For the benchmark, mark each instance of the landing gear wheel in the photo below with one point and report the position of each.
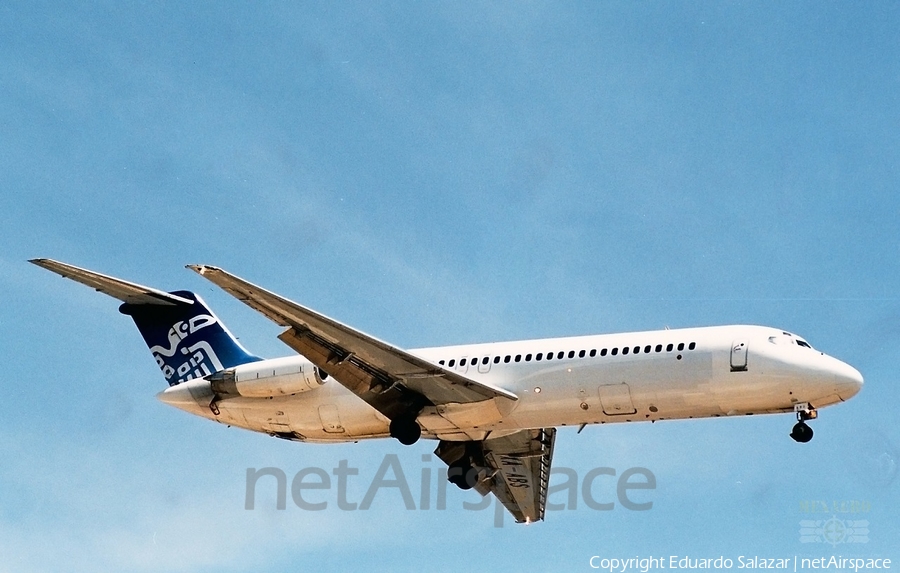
(405, 430)
(462, 476)
(801, 432)
(460, 481)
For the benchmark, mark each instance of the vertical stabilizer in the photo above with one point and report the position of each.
(187, 340)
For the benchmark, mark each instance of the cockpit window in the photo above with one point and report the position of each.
(787, 338)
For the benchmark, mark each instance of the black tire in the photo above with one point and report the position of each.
(471, 477)
(461, 475)
(801, 433)
(460, 482)
(406, 431)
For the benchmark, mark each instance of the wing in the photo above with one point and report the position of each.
(117, 288)
(394, 382)
(522, 461)
(515, 468)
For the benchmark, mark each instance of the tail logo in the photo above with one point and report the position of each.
(181, 330)
(201, 361)
(195, 361)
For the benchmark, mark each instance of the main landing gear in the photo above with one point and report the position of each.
(466, 465)
(405, 430)
(801, 432)
(462, 474)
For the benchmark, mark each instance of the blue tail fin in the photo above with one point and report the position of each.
(187, 340)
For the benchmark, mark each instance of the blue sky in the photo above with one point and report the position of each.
(440, 174)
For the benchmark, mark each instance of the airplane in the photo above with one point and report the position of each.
(493, 408)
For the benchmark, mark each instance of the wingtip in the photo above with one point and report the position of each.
(200, 269)
(49, 264)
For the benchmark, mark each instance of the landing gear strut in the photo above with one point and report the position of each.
(801, 432)
(405, 430)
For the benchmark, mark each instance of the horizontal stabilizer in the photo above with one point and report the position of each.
(117, 288)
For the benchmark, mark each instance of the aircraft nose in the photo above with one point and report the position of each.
(848, 379)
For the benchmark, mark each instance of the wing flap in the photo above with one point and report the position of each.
(370, 384)
(522, 471)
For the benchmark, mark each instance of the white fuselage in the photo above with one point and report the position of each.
(629, 377)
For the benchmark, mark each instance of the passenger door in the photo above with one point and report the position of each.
(739, 355)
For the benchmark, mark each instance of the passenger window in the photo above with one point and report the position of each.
(560, 355)
(496, 359)
(485, 359)
(452, 362)
(692, 346)
(637, 349)
(659, 347)
(518, 357)
(593, 352)
(441, 362)
(603, 352)
(506, 359)
(625, 350)
(549, 356)
(647, 349)
(528, 358)
(539, 355)
(681, 346)
(669, 348)
(581, 354)
(571, 354)
(615, 351)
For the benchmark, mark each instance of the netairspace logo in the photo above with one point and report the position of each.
(834, 531)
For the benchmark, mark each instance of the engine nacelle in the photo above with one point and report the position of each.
(267, 378)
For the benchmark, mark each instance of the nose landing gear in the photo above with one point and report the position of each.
(801, 432)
